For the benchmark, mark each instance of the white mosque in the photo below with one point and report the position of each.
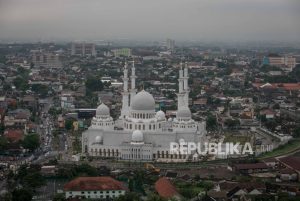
(141, 133)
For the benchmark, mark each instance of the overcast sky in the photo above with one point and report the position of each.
(201, 20)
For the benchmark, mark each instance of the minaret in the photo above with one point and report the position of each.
(186, 85)
(132, 77)
(125, 100)
(181, 94)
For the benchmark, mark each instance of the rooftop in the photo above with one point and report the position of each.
(94, 184)
(165, 188)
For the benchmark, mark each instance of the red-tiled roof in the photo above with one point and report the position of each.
(267, 112)
(251, 166)
(13, 135)
(291, 161)
(94, 184)
(165, 188)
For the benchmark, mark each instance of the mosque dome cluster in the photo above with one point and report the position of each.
(143, 101)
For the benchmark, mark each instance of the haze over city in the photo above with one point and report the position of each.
(149, 100)
(200, 20)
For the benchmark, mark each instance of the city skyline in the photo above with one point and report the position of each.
(231, 20)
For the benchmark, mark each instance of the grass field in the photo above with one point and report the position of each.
(234, 138)
(290, 147)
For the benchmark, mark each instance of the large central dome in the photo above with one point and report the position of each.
(143, 101)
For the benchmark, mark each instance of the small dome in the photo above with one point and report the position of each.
(181, 141)
(102, 110)
(143, 101)
(137, 136)
(98, 139)
(160, 115)
(184, 112)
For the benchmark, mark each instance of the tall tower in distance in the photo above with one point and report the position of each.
(170, 44)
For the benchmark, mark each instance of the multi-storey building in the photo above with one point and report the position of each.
(83, 49)
(46, 59)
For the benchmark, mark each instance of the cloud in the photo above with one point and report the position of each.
(150, 19)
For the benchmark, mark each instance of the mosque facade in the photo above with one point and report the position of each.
(141, 133)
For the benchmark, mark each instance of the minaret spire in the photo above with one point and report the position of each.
(186, 85)
(125, 100)
(132, 77)
(180, 95)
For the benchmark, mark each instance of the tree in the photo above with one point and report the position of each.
(3, 143)
(59, 197)
(206, 185)
(211, 122)
(130, 185)
(129, 197)
(232, 123)
(21, 195)
(20, 83)
(271, 124)
(54, 112)
(154, 197)
(31, 142)
(69, 124)
(40, 89)
(33, 180)
(296, 132)
(94, 84)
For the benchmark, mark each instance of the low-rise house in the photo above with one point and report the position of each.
(48, 170)
(14, 122)
(269, 114)
(166, 189)
(94, 188)
(288, 174)
(271, 162)
(13, 135)
(30, 101)
(237, 191)
(250, 168)
(217, 195)
(292, 163)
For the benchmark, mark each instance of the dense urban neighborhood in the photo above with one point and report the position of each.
(94, 121)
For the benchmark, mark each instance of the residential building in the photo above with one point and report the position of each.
(83, 49)
(126, 52)
(94, 188)
(46, 59)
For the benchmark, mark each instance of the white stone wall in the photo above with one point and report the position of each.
(95, 194)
